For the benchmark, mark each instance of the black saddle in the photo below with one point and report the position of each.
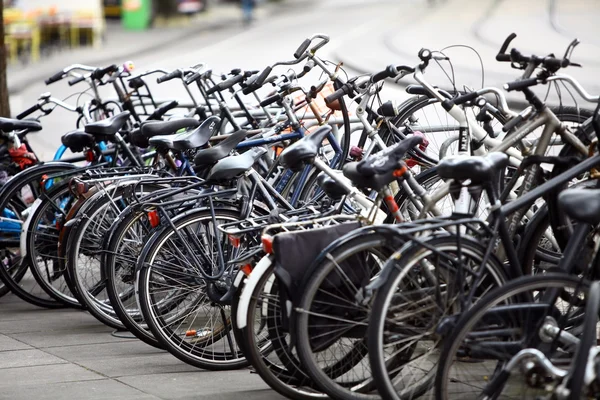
(190, 139)
(109, 126)
(219, 151)
(77, 140)
(387, 159)
(375, 182)
(478, 169)
(232, 167)
(583, 205)
(331, 188)
(9, 124)
(149, 129)
(304, 150)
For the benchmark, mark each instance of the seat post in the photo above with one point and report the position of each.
(132, 157)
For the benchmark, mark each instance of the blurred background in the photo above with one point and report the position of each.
(44, 36)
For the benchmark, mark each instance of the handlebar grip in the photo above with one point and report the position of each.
(388, 72)
(169, 76)
(338, 94)
(520, 85)
(76, 80)
(465, 97)
(512, 123)
(260, 80)
(270, 100)
(55, 78)
(100, 72)
(501, 56)
(162, 109)
(30, 110)
(225, 84)
(298, 53)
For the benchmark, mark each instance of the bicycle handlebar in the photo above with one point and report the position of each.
(520, 85)
(29, 111)
(171, 75)
(227, 84)
(502, 56)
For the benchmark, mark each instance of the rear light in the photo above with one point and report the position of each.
(234, 240)
(246, 269)
(154, 219)
(267, 243)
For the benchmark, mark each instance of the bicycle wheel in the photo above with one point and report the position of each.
(330, 321)
(126, 239)
(177, 301)
(18, 195)
(576, 381)
(428, 284)
(84, 250)
(41, 240)
(260, 319)
(508, 320)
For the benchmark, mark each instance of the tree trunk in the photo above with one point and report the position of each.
(4, 104)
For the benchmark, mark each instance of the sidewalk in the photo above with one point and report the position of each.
(482, 25)
(122, 44)
(67, 354)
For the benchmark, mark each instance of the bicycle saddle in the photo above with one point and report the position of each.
(387, 159)
(583, 205)
(331, 188)
(9, 124)
(108, 126)
(232, 167)
(305, 149)
(149, 129)
(476, 168)
(154, 128)
(77, 140)
(375, 181)
(220, 150)
(189, 139)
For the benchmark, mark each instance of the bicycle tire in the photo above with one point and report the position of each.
(576, 383)
(53, 282)
(404, 266)
(520, 290)
(324, 375)
(34, 295)
(187, 351)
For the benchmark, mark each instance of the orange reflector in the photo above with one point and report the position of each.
(43, 180)
(246, 269)
(399, 172)
(190, 333)
(267, 243)
(234, 240)
(154, 220)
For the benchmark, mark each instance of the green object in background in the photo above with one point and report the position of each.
(136, 14)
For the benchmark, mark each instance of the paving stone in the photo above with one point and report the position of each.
(116, 366)
(89, 390)
(194, 384)
(42, 375)
(7, 343)
(132, 348)
(27, 358)
(70, 338)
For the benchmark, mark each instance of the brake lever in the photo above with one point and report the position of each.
(401, 75)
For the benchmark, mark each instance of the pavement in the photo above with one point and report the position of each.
(67, 354)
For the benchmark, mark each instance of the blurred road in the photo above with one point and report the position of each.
(366, 35)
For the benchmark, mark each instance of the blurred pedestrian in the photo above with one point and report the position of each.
(248, 10)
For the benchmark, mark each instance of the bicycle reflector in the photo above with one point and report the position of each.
(234, 240)
(267, 243)
(153, 218)
(246, 269)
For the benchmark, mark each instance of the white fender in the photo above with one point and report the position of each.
(259, 270)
